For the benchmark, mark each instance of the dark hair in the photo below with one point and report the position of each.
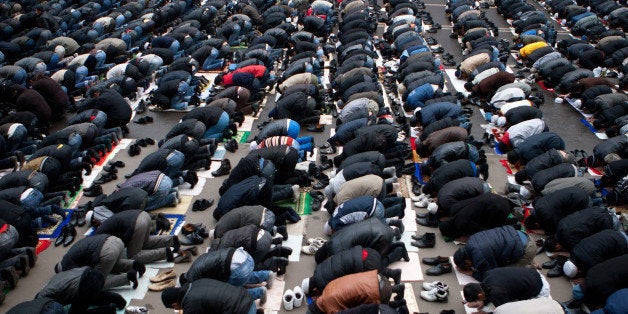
(460, 256)
(218, 79)
(550, 244)
(512, 157)
(473, 292)
(531, 222)
(521, 176)
(468, 86)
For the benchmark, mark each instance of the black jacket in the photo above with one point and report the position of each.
(369, 233)
(581, 224)
(457, 190)
(246, 237)
(215, 265)
(251, 191)
(438, 125)
(121, 225)
(343, 263)
(537, 144)
(617, 145)
(208, 296)
(239, 217)
(598, 248)
(456, 169)
(209, 115)
(154, 161)
(485, 211)
(551, 208)
(545, 176)
(546, 160)
(17, 217)
(114, 105)
(507, 284)
(85, 252)
(35, 306)
(523, 113)
(604, 279)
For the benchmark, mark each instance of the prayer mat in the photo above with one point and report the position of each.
(303, 206)
(242, 136)
(180, 209)
(54, 231)
(543, 86)
(42, 245)
(103, 158)
(198, 188)
(176, 221)
(274, 297)
(509, 168)
(410, 271)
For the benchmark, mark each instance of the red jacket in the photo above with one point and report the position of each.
(257, 70)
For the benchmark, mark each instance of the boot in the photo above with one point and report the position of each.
(399, 290)
(71, 234)
(430, 221)
(191, 177)
(557, 271)
(231, 145)
(64, 234)
(225, 168)
(428, 241)
(397, 223)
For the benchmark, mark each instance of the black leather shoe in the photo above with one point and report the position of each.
(316, 128)
(81, 218)
(557, 271)
(327, 164)
(71, 234)
(428, 241)
(94, 191)
(430, 221)
(433, 261)
(61, 238)
(550, 264)
(439, 269)
(320, 184)
(422, 215)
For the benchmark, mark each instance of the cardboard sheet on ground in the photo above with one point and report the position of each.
(208, 173)
(462, 278)
(297, 228)
(410, 296)
(410, 271)
(198, 188)
(406, 238)
(488, 308)
(457, 83)
(128, 293)
(274, 296)
(247, 125)
(326, 119)
(408, 220)
(219, 154)
(180, 209)
(294, 242)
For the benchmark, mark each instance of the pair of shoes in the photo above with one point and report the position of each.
(184, 257)
(435, 292)
(106, 177)
(231, 146)
(293, 298)
(428, 240)
(202, 204)
(134, 150)
(78, 218)
(439, 269)
(191, 239)
(557, 270)
(327, 150)
(321, 184)
(198, 228)
(163, 281)
(144, 120)
(313, 245)
(449, 62)
(429, 221)
(118, 163)
(316, 128)
(68, 233)
(433, 261)
(326, 163)
(225, 168)
(438, 49)
(132, 309)
(93, 190)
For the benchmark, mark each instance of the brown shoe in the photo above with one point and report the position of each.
(161, 286)
(171, 274)
(188, 228)
(184, 257)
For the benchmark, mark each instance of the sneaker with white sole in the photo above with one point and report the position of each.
(432, 208)
(423, 203)
(288, 300)
(436, 284)
(310, 249)
(435, 295)
(298, 296)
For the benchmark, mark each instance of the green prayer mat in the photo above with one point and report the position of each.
(302, 207)
(242, 136)
(74, 197)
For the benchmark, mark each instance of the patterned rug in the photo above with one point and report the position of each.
(303, 206)
(242, 136)
(54, 231)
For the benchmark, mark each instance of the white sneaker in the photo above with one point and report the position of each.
(288, 300)
(298, 296)
(436, 284)
(435, 295)
(423, 203)
(419, 197)
(432, 208)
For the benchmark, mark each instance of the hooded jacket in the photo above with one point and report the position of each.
(209, 296)
(350, 291)
(369, 233)
(493, 248)
(350, 261)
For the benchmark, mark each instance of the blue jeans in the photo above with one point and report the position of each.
(246, 275)
(174, 47)
(215, 131)
(179, 102)
(211, 62)
(164, 196)
(75, 140)
(174, 162)
(31, 202)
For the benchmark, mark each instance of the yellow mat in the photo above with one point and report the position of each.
(180, 209)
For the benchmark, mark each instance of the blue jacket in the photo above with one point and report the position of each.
(494, 248)
(419, 95)
(352, 211)
(437, 111)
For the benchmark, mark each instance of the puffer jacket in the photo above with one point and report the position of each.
(494, 248)
(438, 125)
(343, 263)
(215, 265)
(523, 113)
(449, 152)
(546, 160)
(581, 224)
(433, 112)
(537, 144)
(209, 296)
(456, 169)
(440, 137)
(458, 190)
(350, 291)
(274, 128)
(31, 178)
(617, 145)
(369, 233)
(521, 131)
(545, 176)
(352, 211)
(550, 209)
(240, 217)
(247, 238)
(252, 191)
(598, 248)
(485, 211)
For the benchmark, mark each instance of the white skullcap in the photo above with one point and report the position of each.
(577, 103)
(60, 51)
(494, 119)
(558, 100)
(570, 269)
(501, 121)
